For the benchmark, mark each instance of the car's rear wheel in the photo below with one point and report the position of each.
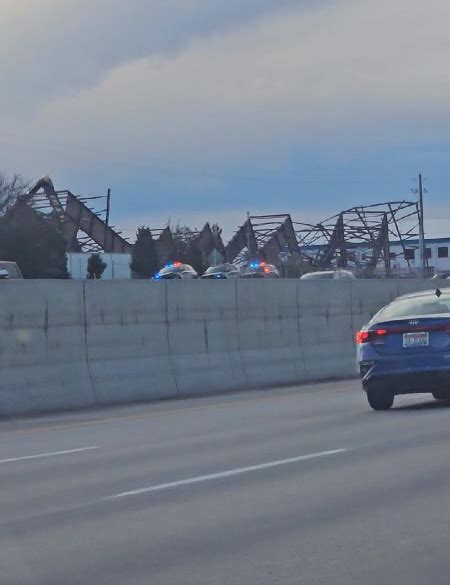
(380, 399)
(441, 394)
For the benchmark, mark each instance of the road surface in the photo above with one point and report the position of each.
(287, 486)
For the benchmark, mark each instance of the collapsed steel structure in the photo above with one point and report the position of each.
(84, 229)
(208, 240)
(263, 237)
(358, 238)
(88, 230)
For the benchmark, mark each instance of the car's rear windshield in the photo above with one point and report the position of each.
(415, 307)
(11, 269)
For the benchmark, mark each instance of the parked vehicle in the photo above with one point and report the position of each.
(9, 270)
(260, 270)
(329, 275)
(222, 271)
(441, 276)
(405, 349)
(176, 271)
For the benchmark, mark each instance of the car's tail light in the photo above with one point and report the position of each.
(366, 336)
(362, 337)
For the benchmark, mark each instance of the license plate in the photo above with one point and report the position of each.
(419, 339)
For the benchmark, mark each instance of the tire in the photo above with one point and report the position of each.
(441, 395)
(380, 399)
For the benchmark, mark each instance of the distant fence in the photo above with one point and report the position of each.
(68, 344)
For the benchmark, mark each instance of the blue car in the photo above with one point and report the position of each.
(405, 349)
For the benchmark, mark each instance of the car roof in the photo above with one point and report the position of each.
(422, 293)
(320, 272)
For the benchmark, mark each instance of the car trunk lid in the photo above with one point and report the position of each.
(411, 336)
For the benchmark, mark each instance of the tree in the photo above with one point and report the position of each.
(195, 258)
(34, 243)
(11, 188)
(96, 267)
(145, 261)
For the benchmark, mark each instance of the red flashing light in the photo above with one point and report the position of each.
(177, 264)
(266, 270)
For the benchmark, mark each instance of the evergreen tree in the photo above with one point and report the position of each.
(34, 243)
(145, 261)
(96, 267)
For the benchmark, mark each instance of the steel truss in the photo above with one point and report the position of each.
(359, 237)
(263, 237)
(84, 229)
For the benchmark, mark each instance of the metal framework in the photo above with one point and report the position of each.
(263, 237)
(359, 237)
(207, 239)
(84, 229)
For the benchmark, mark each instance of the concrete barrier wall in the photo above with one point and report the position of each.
(68, 344)
(43, 359)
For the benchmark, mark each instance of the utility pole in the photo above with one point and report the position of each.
(108, 207)
(248, 236)
(423, 261)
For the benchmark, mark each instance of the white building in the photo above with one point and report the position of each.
(117, 265)
(436, 252)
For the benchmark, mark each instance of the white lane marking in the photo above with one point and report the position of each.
(54, 454)
(221, 474)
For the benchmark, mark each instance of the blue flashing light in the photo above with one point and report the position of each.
(170, 265)
(254, 264)
(157, 277)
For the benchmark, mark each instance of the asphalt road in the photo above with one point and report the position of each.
(287, 486)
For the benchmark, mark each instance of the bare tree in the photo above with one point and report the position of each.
(11, 187)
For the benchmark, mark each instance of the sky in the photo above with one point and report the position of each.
(202, 110)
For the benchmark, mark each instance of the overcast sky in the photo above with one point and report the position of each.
(203, 109)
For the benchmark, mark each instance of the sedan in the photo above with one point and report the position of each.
(441, 276)
(260, 269)
(9, 270)
(405, 349)
(221, 272)
(176, 271)
(329, 275)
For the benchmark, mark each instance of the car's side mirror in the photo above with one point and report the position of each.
(4, 274)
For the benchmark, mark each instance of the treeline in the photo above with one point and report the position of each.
(146, 260)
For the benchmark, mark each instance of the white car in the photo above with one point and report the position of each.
(176, 271)
(9, 270)
(222, 272)
(329, 275)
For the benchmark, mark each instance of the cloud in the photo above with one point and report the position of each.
(352, 70)
(169, 85)
(58, 47)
